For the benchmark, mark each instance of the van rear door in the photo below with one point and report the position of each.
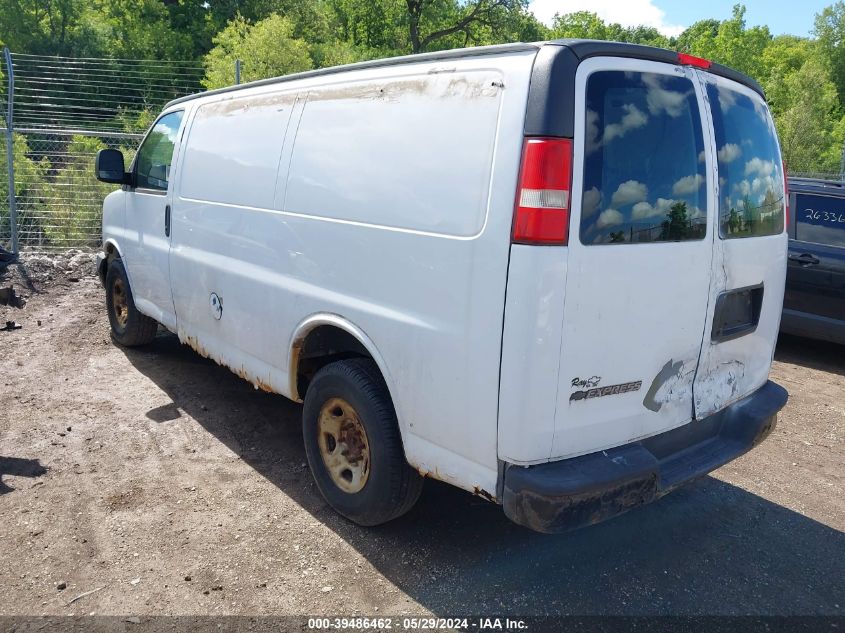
(640, 254)
(750, 247)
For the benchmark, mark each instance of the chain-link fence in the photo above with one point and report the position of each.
(818, 175)
(5, 224)
(59, 202)
(58, 113)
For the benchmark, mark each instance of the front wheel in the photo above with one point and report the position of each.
(353, 444)
(128, 326)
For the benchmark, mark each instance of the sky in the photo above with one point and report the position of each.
(673, 16)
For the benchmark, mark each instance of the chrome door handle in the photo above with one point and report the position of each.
(805, 259)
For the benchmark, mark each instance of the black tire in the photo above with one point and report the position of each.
(392, 486)
(129, 328)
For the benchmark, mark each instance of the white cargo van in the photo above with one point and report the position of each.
(550, 274)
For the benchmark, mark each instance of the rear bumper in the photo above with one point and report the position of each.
(571, 493)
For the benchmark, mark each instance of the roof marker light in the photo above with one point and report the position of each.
(692, 60)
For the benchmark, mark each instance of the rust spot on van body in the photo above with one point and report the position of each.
(435, 474)
(240, 372)
(483, 493)
(295, 355)
(191, 342)
(263, 386)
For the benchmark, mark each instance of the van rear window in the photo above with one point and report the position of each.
(643, 177)
(750, 168)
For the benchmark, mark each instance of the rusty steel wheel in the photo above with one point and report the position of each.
(353, 443)
(128, 326)
(343, 445)
(120, 307)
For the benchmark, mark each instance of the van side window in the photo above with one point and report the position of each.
(643, 160)
(152, 166)
(750, 171)
(820, 219)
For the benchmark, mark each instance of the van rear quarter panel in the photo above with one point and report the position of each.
(401, 234)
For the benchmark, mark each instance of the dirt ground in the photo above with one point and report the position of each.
(170, 486)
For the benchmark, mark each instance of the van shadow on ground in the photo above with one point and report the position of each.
(820, 355)
(19, 467)
(709, 548)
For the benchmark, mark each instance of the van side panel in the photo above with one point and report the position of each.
(530, 358)
(410, 152)
(245, 174)
(404, 235)
(225, 239)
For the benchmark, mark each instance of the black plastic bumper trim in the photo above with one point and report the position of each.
(572, 493)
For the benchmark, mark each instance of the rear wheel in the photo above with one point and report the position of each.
(128, 326)
(353, 444)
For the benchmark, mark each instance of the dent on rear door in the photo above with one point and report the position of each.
(749, 256)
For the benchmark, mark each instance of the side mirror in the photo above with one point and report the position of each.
(109, 167)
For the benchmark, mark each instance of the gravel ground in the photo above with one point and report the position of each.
(170, 486)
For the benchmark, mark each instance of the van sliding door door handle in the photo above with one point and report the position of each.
(805, 259)
(167, 221)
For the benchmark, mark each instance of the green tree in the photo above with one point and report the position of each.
(437, 24)
(588, 25)
(645, 35)
(733, 221)
(676, 226)
(703, 30)
(376, 25)
(59, 27)
(784, 55)
(731, 43)
(830, 33)
(809, 121)
(579, 24)
(749, 214)
(266, 48)
(137, 29)
(76, 199)
(31, 186)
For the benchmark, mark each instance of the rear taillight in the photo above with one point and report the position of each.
(785, 194)
(692, 60)
(542, 200)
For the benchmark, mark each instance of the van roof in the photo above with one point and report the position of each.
(584, 49)
(573, 51)
(373, 63)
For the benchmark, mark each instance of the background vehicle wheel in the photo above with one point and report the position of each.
(128, 326)
(353, 444)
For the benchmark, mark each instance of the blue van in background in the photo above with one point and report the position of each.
(814, 301)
